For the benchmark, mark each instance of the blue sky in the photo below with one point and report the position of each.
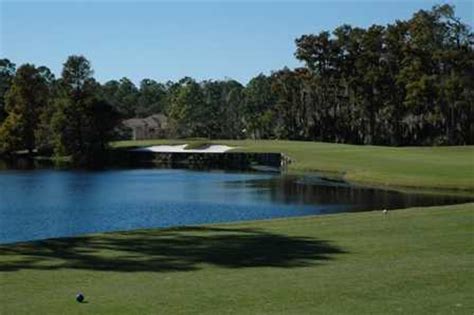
(169, 40)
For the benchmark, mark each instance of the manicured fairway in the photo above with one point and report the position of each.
(420, 167)
(414, 261)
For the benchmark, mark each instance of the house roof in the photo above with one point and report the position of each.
(153, 121)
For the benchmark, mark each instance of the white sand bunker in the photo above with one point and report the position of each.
(213, 148)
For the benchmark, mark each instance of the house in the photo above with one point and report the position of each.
(151, 127)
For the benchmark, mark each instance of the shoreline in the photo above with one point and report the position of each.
(425, 168)
(358, 254)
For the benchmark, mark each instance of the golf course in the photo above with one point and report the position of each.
(236, 157)
(416, 260)
(448, 168)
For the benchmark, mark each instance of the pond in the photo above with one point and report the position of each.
(38, 204)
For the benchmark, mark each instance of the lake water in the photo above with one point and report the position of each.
(38, 204)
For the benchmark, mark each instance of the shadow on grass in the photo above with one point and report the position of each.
(180, 249)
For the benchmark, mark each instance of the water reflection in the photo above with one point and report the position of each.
(48, 203)
(318, 191)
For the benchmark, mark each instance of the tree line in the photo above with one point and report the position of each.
(407, 83)
(65, 116)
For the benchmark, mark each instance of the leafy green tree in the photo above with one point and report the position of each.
(407, 83)
(259, 108)
(83, 122)
(11, 132)
(290, 89)
(25, 101)
(212, 109)
(188, 110)
(127, 96)
(233, 98)
(123, 95)
(7, 72)
(372, 74)
(152, 98)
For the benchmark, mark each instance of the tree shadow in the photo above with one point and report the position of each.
(179, 249)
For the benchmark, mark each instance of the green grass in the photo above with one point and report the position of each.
(197, 145)
(415, 167)
(414, 261)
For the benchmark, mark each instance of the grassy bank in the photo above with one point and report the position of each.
(417, 167)
(410, 261)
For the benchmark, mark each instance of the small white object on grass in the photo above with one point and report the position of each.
(385, 211)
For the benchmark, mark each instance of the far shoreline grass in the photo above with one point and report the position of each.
(414, 261)
(428, 168)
